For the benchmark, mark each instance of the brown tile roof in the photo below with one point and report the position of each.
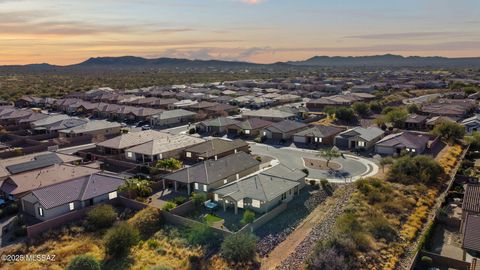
(471, 198)
(471, 236)
(24, 182)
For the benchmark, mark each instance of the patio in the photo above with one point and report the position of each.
(160, 198)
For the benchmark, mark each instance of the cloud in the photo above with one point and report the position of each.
(408, 35)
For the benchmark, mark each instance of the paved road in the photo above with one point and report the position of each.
(353, 167)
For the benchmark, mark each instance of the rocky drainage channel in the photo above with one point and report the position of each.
(321, 231)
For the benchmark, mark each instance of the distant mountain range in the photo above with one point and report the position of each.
(133, 62)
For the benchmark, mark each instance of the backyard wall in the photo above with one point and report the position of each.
(445, 262)
(259, 222)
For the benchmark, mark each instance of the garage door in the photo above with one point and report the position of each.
(300, 139)
(277, 136)
(341, 143)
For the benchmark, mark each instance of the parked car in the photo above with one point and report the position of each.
(146, 127)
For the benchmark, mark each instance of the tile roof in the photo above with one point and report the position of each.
(286, 126)
(211, 171)
(320, 131)
(78, 189)
(366, 134)
(471, 236)
(166, 144)
(91, 125)
(134, 138)
(220, 122)
(254, 123)
(471, 198)
(264, 186)
(27, 181)
(405, 139)
(216, 146)
(271, 113)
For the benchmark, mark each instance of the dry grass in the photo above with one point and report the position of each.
(448, 157)
(161, 249)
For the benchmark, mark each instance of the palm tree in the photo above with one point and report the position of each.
(136, 187)
(330, 154)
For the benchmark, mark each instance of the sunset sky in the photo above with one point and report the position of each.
(70, 31)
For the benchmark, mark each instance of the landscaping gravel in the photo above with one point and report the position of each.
(277, 229)
(321, 231)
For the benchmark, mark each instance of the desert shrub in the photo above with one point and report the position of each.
(147, 221)
(83, 262)
(169, 206)
(248, 217)
(239, 247)
(194, 262)
(192, 131)
(259, 159)
(326, 186)
(305, 171)
(426, 262)
(327, 259)
(199, 198)
(449, 131)
(120, 238)
(179, 200)
(201, 235)
(100, 217)
(380, 228)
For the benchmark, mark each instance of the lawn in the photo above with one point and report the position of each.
(211, 219)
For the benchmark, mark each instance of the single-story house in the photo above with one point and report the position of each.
(318, 135)
(394, 144)
(17, 185)
(52, 201)
(435, 120)
(415, 122)
(251, 127)
(172, 117)
(31, 162)
(42, 124)
(211, 174)
(283, 130)
(119, 144)
(358, 138)
(471, 233)
(221, 109)
(92, 127)
(472, 124)
(156, 149)
(263, 191)
(220, 125)
(64, 124)
(269, 115)
(215, 149)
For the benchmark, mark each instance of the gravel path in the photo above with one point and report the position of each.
(321, 231)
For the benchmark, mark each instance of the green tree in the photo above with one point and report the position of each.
(345, 115)
(239, 247)
(199, 198)
(135, 187)
(169, 164)
(417, 169)
(361, 108)
(396, 117)
(101, 216)
(248, 217)
(83, 262)
(120, 239)
(330, 154)
(413, 108)
(449, 131)
(375, 106)
(473, 140)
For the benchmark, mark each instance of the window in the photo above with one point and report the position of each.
(284, 196)
(71, 206)
(238, 176)
(205, 188)
(264, 133)
(361, 143)
(215, 197)
(129, 154)
(256, 203)
(320, 140)
(112, 195)
(235, 151)
(413, 150)
(188, 154)
(195, 185)
(40, 211)
(247, 131)
(225, 181)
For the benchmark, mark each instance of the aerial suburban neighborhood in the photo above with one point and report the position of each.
(239, 135)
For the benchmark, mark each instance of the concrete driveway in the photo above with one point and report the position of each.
(353, 167)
